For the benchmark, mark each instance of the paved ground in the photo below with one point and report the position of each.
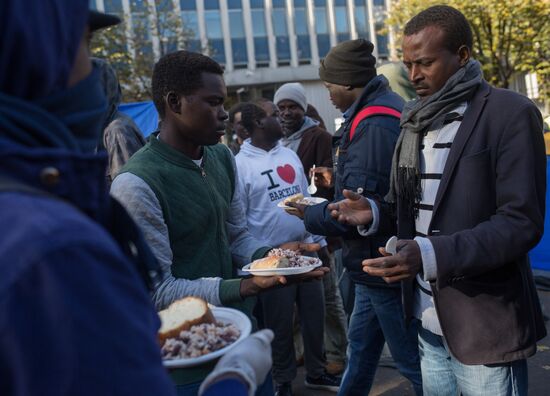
(389, 382)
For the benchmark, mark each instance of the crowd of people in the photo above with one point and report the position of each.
(103, 228)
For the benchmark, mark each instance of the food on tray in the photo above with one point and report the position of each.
(189, 330)
(294, 198)
(294, 259)
(270, 262)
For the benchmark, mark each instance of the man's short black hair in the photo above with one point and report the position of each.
(455, 25)
(250, 113)
(180, 72)
(236, 108)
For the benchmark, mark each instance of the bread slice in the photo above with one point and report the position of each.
(294, 198)
(270, 262)
(181, 315)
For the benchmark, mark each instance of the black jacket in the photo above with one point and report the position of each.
(364, 162)
(488, 213)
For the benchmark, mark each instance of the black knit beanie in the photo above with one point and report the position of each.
(349, 63)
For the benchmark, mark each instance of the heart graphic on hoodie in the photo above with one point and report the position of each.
(286, 173)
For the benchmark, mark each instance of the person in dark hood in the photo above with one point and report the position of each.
(121, 136)
(75, 313)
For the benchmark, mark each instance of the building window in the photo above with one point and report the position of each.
(211, 4)
(190, 22)
(302, 34)
(234, 4)
(321, 27)
(168, 25)
(188, 5)
(236, 30)
(341, 20)
(280, 31)
(259, 32)
(381, 41)
(141, 27)
(113, 6)
(214, 34)
(361, 23)
(138, 5)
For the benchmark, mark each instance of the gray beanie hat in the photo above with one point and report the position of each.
(291, 91)
(349, 63)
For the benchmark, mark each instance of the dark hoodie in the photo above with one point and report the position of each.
(75, 315)
(121, 136)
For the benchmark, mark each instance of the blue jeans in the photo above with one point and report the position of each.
(377, 318)
(443, 375)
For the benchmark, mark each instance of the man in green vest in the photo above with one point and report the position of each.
(180, 188)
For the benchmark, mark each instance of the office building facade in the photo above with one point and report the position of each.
(265, 43)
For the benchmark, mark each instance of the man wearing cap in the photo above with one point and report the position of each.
(364, 147)
(303, 135)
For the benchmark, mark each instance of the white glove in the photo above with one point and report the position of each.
(249, 361)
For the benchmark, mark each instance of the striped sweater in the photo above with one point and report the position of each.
(435, 149)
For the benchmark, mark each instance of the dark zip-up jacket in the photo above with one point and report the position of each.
(363, 164)
(75, 315)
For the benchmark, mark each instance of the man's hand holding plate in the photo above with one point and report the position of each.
(394, 268)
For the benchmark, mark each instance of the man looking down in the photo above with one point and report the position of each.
(468, 187)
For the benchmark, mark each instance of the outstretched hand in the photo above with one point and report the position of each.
(403, 265)
(354, 210)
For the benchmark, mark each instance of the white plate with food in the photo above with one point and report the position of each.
(300, 199)
(192, 334)
(282, 262)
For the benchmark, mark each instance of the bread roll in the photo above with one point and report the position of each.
(270, 262)
(181, 315)
(294, 198)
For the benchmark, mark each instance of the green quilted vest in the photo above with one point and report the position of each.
(195, 202)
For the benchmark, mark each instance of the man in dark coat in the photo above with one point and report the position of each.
(362, 163)
(468, 184)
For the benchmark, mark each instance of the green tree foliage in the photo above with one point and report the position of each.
(131, 51)
(509, 36)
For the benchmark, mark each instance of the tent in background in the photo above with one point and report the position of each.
(144, 115)
(540, 255)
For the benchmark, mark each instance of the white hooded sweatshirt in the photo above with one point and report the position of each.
(266, 178)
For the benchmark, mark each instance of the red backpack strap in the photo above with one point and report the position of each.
(369, 112)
